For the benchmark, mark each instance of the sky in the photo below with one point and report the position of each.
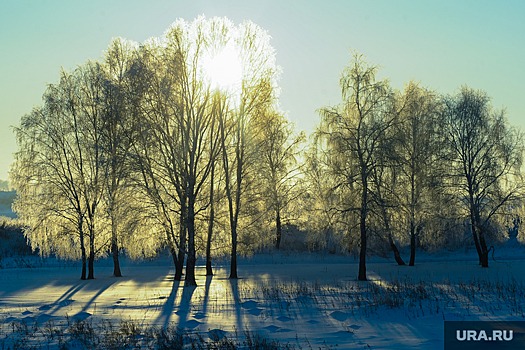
(442, 44)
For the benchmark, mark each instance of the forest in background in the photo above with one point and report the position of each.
(142, 151)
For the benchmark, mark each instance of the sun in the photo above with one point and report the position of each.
(223, 69)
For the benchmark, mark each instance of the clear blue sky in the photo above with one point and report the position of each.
(443, 44)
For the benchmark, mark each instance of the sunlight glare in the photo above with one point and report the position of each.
(224, 69)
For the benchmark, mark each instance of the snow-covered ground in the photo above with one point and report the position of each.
(308, 301)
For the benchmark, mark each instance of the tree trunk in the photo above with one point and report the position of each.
(209, 269)
(413, 243)
(412, 261)
(363, 236)
(179, 267)
(91, 266)
(179, 264)
(474, 224)
(397, 255)
(192, 259)
(386, 220)
(91, 258)
(115, 250)
(82, 249)
(233, 260)
(279, 230)
(84, 259)
(173, 252)
(484, 257)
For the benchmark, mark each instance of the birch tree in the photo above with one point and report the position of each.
(58, 165)
(354, 130)
(419, 154)
(485, 161)
(256, 95)
(278, 150)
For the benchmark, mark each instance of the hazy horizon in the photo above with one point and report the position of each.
(441, 44)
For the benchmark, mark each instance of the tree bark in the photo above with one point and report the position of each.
(115, 250)
(414, 232)
(279, 229)
(395, 250)
(363, 236)
(91, 257)
(474, 224)
(189, 280)
(179, 267)
(412, 261)
(209, 269)
(484, 256)
(84, 257)
(91, 263)
(233, 260)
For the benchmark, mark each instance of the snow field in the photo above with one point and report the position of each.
(313, 304)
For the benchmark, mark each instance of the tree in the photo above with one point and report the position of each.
(384, 181)
(58, 168)
(154, 161)
(181, 139)
(485, 160)
(354, 130)
(255, 95)
(323, 195)
(48, 199)
(419, 158)
(120, 116)
(278, 151)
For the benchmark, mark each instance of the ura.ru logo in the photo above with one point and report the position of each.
(481, 335)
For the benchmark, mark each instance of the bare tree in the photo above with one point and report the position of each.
(485, 161)
(182, 142)
(120, 116)
(278, 151)
(59, 165)
(324, 196)
(44, 175)
(354, 129)
(419, 158)
(384, 189)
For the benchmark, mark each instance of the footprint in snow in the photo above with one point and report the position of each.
(250, 304)
(199, 316)
(255, 311)
(284, 319)
(272, 328)
(339, 316)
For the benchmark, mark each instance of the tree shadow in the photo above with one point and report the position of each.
(234, 285)
(98, 294)
(185, 307)
(65, 299)
(166, 313)
(206, 297)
